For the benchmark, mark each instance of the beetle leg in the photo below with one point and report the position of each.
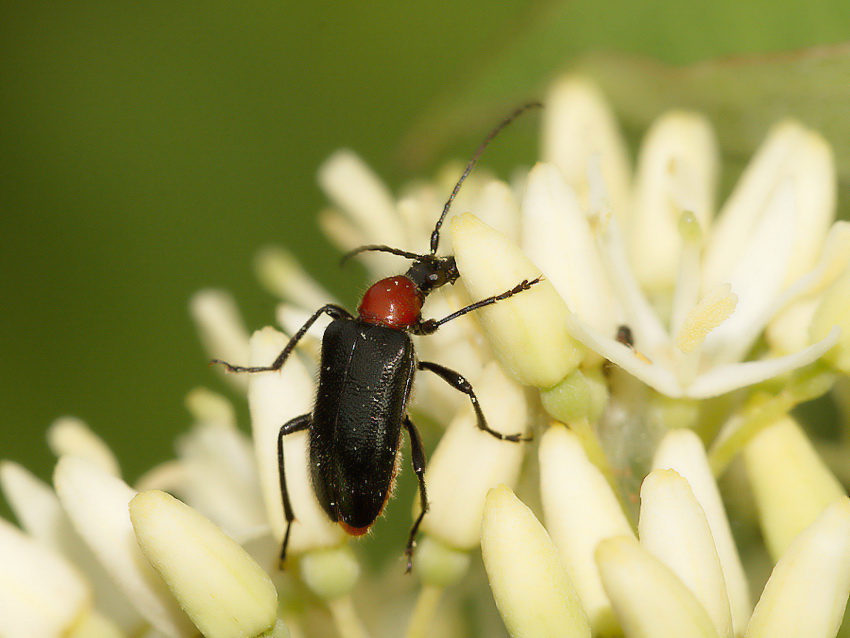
(429, 326)
(417, 454)
(295, 425)
(336, 312)
(459, 382)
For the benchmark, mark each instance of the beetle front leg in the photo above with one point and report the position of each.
(459, 382)
(429, 326)
(297, 424)
(417, 457)
(335, 312)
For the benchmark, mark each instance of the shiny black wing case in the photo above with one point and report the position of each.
(364, 384)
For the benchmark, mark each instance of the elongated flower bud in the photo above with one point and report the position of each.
(220, 587)
(531, 587)
(528, 331)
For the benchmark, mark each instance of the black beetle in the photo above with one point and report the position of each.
(365, 378)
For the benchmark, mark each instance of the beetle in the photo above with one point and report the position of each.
(366, 373)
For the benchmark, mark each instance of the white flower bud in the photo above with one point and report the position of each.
(673, 527)
(468, 461)
(649, 599)
(528, 331)
(791, 484)
(220, 587)
(807, 591)
(275, 398)
(531, 587)
(580, 510)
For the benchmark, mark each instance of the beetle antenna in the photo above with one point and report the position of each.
(435, 235)
(379, 249)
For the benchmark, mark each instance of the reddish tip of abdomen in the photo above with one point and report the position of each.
(354, 531)
(393, 302)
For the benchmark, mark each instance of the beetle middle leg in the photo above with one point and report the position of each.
(459, 382)
(297, 424)
(335, 312)
(417, 457)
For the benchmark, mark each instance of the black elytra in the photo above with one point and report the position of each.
(366, 373)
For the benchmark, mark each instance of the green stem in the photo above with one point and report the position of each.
(762, 409)
(347, 621)
(423, 612)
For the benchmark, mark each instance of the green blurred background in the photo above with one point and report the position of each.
(148, 150)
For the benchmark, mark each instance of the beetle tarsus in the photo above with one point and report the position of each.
(459, 383)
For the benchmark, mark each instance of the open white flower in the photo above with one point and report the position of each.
(696, 292)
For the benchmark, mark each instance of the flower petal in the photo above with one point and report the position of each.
(274, 398)
(577, 125)
(580, 510)
(41, 594)
(96, 503)
(807, 592)
(222, 330)
(674, 528)
(361, 195)
(790, 153)
(69, 436)
(282, 275)
(558, 238)
(224, 592)
(649, 599)
(725, 378)
(531, 587)
(676, 172)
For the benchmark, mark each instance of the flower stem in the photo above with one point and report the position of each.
(347, 622)
(426, 605)
(764, 408)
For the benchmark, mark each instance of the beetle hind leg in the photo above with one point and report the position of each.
(297, 424)
(417, 455)
(459, 382)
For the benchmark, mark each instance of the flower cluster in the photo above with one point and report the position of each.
(663, 350)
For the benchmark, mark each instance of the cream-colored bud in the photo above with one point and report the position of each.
(330, 573)
(439, 565)
(649, 599)
(807, 591)
(70, 436)
(834, 310)
(220, 587)
(468, 461)
(41, 594)
(682, 451)
(532, 590)
(580, 511)
(674, 528)
(791, 484)
(528, 331)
